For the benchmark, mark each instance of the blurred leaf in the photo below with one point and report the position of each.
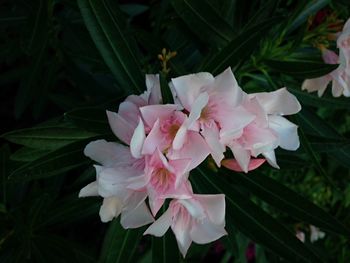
(300, 69)
(104, 21)
(325, 101)
(71, 209)
(134, 9)
(305, 10)
(48, 137)
(4, 166)
(287, 200)
(90, 119)
(167, 96)
(204, 21)
(164, 249)
(252, 221)
(239, 48)
(56, 162)
(120, 244)
(26, 154)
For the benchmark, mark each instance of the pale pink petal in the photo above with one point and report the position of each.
(271, 158)
(226, 86)
(153, 89)
(195, 148)
(137, 217)
(233, 165)
(181, 228)
(108, 153)
(241, 155)
(120, 127)
(258, 140)
(232, 125)
(278, 102)
(317, 84)
(205, 231)
(111, 208)
(254, 107)
(90, 190)
(154, 140)
(181, 169)
(214, 205)
(193, 207)
(137, 140)
(287, 132)
(189, 87)
(180, 137)
(151, 113)
(160, 226)
(211, 136)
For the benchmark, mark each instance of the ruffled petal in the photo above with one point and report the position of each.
(278, 102)
(189, 87)
(111, 207)
(151, 113)
(137, 217)
(287, 132)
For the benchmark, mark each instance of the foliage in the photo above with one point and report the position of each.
(63, 63)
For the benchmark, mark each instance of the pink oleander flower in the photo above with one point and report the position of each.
(316, 234)
(163, 179)
(340, 77)
(267, 131)
(214, 106)
(117, 170)
(126, 120)
(200, 219)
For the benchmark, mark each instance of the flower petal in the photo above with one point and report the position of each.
(278, 102)
(317, 84)
(189, 87)
(137, 140)
(241, 155)
(111, 207)
(90, 190)
(211, 136)
(204, 232)
(214, 205)
(120, 127)
(160, 226)
(137, 217)
(233, 165)
(287, 132)
(151, 113)
(153, 89)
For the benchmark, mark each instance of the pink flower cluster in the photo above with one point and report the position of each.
(340, 77)
(161, 144)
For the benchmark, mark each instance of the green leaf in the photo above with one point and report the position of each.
(72, 209)
(255, 223)
(26, 154)
(47, 137)
(306, 10)
(167, 96)
(324, 101)
(4, 166)
(119, 245)
(56, 162)
(287, 200)
(105, 23)
(300, 69)
(204, 21)
(239, 48)
(90, 119)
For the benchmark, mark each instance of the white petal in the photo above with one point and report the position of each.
(241, 155)
(137, 140)
(111, 207)
(287, 132)
(137, 217)
(271, 158)
(160, 226)
(108, 153)
(189, 87)
(153, 88)
(120, 127)
(278, 102)
(211, 136)
(214, 205)
(90, 190)
(204, 232)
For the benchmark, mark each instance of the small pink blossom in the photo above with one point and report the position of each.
(200, 219)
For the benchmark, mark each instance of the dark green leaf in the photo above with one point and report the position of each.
(90, 119)
(119, 245)
(48, 137)
(204, 21)
(4, 166)
(105, 23)
(26, 154)
(239, 48)
(167, 96)
(287, 200)
(56, 162)
(301, 69)
(252, 221)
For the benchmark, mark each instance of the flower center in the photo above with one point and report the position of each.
(162, 179)
(170, 127)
